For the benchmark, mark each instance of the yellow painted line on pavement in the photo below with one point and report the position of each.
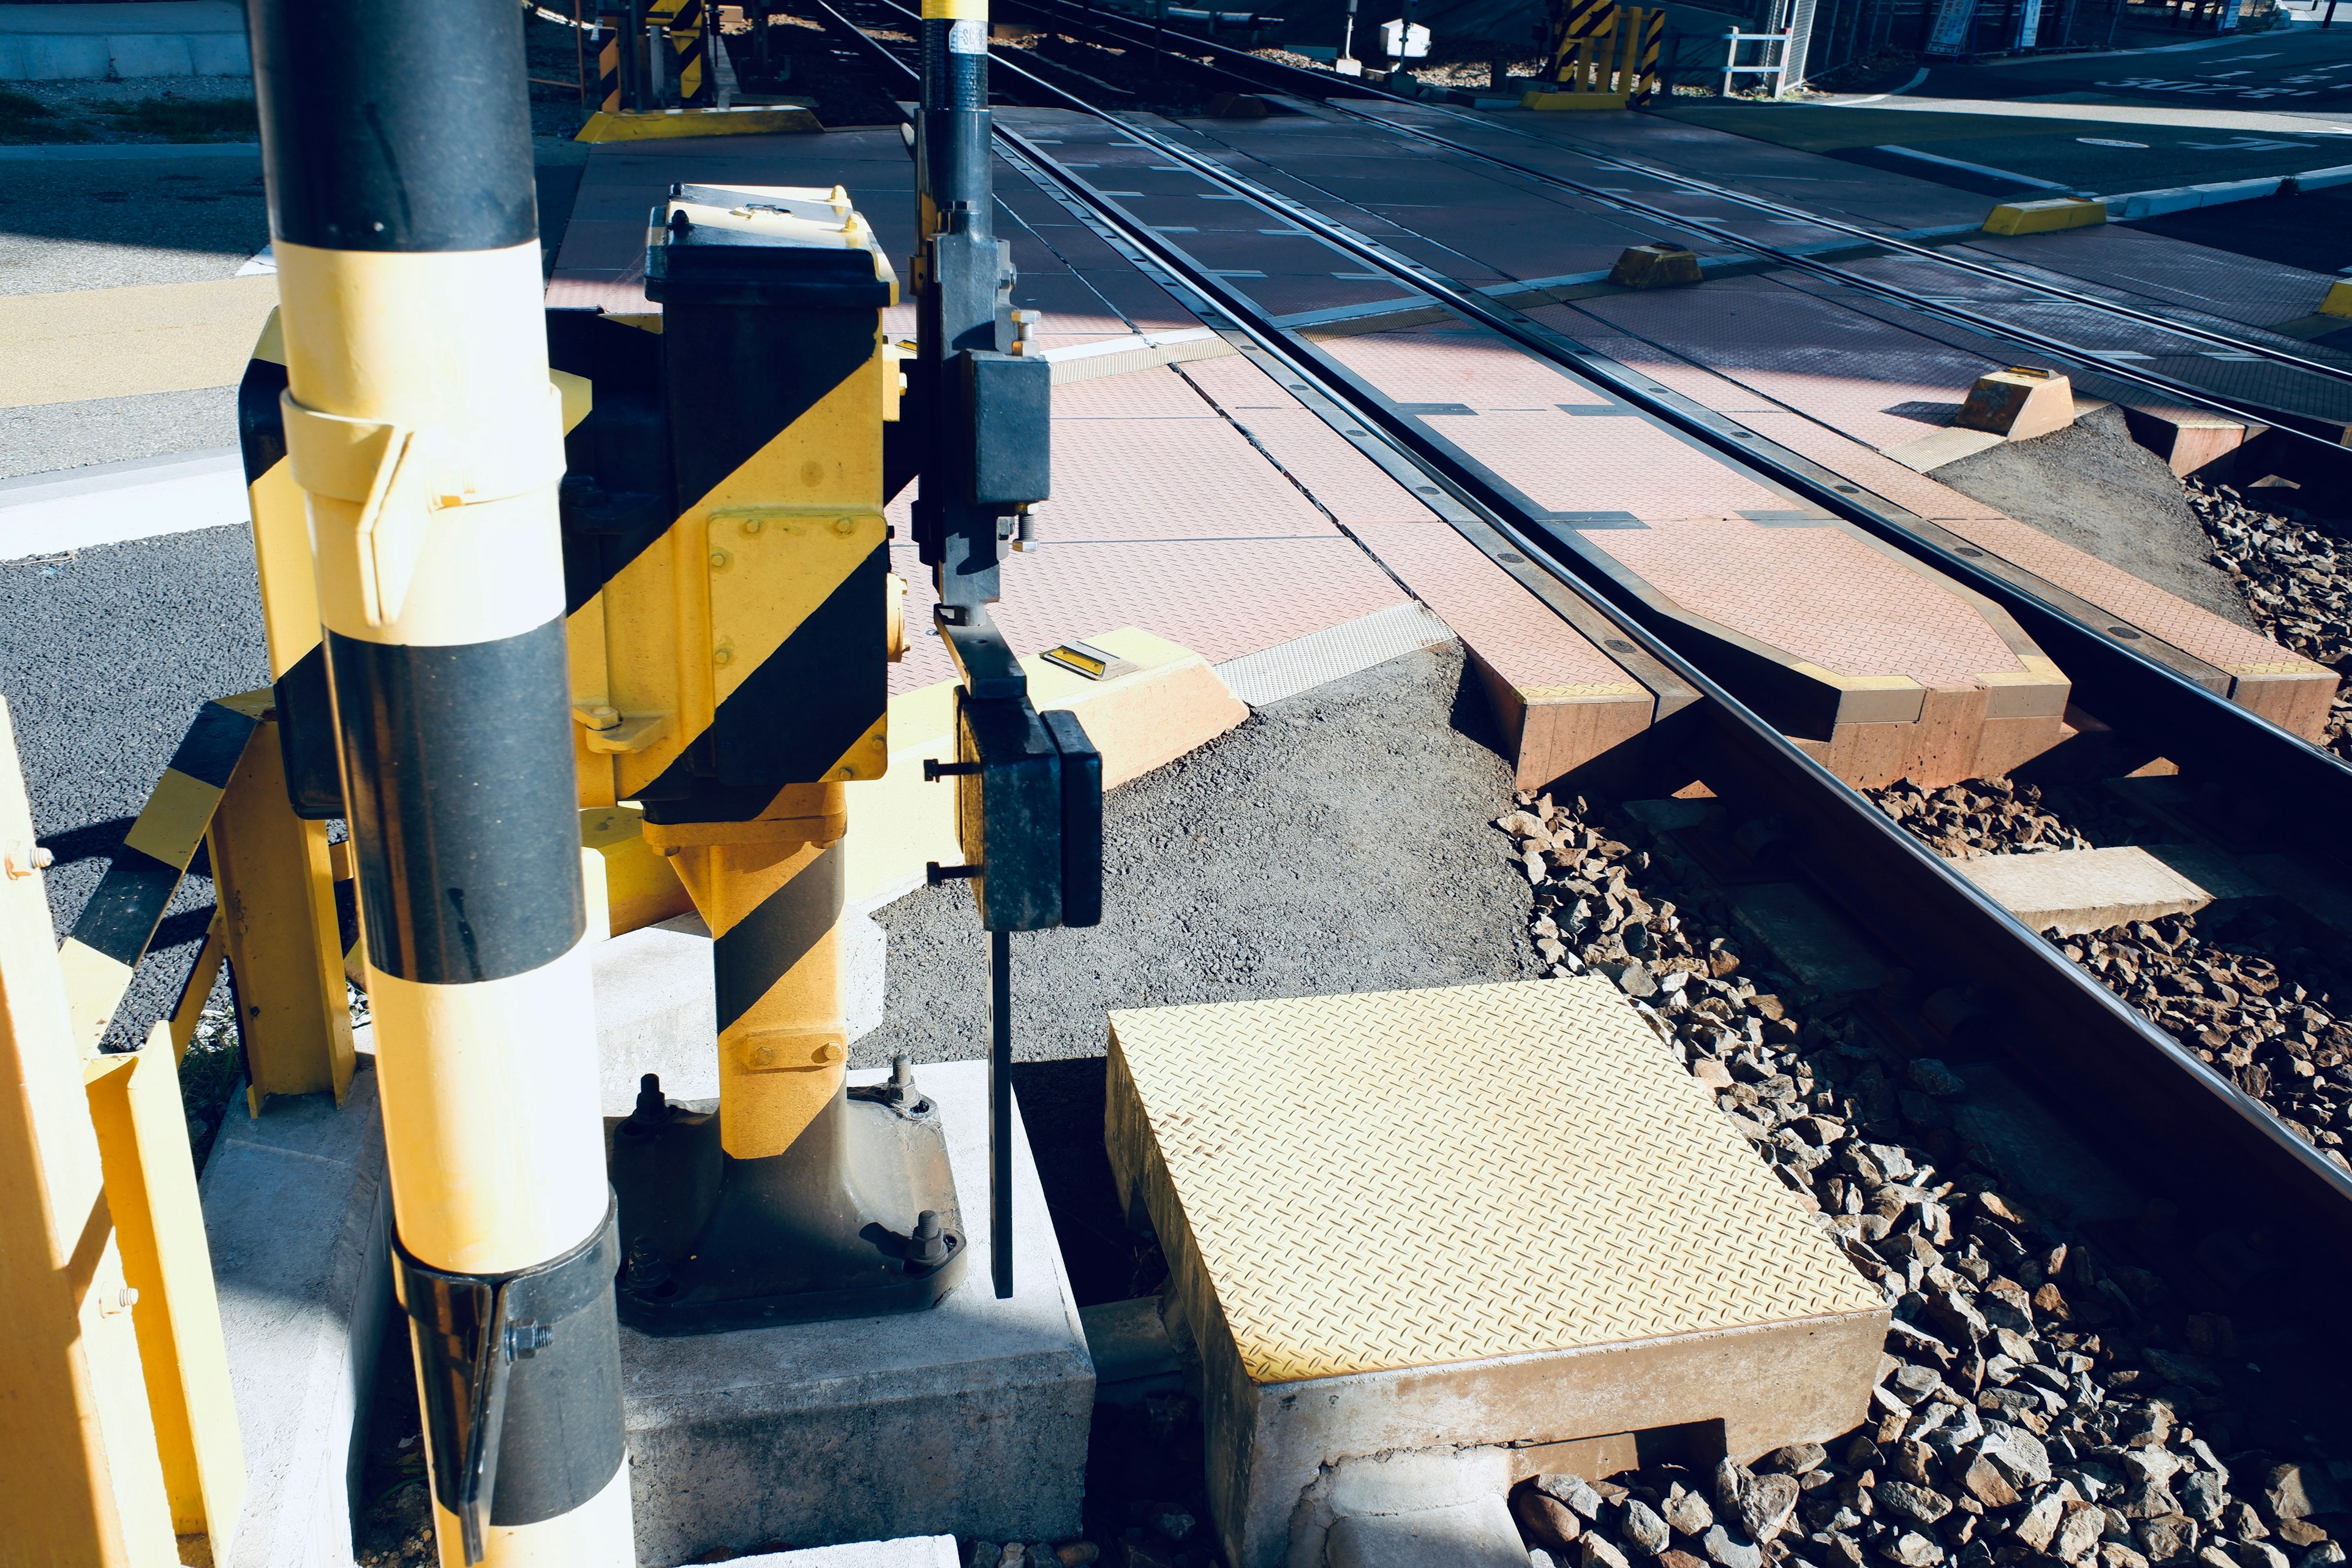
(118, 343)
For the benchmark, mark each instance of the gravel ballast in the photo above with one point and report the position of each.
(2044, 1395)
(1317, 849)
(2293, 580)
(2250, 990)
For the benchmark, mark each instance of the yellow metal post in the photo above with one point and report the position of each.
(151, 1190)
(81, 1482)
(770, 892)
(277, 891)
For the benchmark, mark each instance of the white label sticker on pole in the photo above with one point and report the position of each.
(1401, 42)
(969, 37)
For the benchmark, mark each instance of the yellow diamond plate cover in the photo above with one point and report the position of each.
(1407, 1178)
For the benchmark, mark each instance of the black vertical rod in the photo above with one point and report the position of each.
(999, 1110)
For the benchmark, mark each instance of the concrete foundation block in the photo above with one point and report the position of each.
(2074, 890)
(297, 1211)
(909, 1551)
(1812, 944)
(151, 54)
(1500, 1219)
(1409, 1510)
(2188, 440)
(1657, 266)
(2019, 403)
(1133, 1353)
(969, 1419)
(656, 1011)
(39, 59)
(1468, 1535)
(129, 41)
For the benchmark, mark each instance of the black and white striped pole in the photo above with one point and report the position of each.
(421, 424)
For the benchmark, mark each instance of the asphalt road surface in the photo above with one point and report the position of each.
(2301, 70)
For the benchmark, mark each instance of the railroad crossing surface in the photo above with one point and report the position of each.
(1565, 607)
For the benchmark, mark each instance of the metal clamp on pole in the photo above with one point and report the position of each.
(523, 1346)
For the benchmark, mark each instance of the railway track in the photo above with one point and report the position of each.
(2208, 1137)
(2240, 376)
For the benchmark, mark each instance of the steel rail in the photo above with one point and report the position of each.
(1958, 316)
(2182, 1126)
(2133, 689)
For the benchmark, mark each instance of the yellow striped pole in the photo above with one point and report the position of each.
(614, 36)
(1581, 21)
(422, 426)
(103, 951)
(1654, 34)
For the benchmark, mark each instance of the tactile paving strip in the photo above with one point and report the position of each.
(1413, 1178)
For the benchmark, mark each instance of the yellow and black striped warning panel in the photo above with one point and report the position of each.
(1574, 21)
(103, 953)
(608, 62)
(772, 892)
(726, 557)
(1654, 35)
(687, 25)
(758, 951)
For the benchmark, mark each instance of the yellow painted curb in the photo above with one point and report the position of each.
(2339, 299)
(1170, 704)
(2044, 216)
(1554, 101)
(750, 120)
(121, 342)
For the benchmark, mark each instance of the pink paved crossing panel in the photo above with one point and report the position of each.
(1852, 371)
(1578, 463)
(1158, 393)
(1508, 628)
(1809, 590)
(1167, 478)
(1456, 364)
(1348, 484)
(1667, 369)
(1560, 700)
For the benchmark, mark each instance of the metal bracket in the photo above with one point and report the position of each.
(470, 1330)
